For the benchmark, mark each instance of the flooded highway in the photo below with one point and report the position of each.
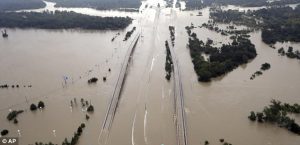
(145, 113)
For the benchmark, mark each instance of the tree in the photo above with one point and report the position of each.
(252, 116)
(90, 108)
(33, 107)
(41, 105)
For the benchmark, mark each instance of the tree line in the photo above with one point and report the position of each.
(278, 24)
(221, 60)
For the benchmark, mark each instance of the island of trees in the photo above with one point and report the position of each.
(92, 80)
(13, 114)
(290, 53)
(264, 67)
(61, 20)
(41, 105)
(129, 33)
(220, 60)
(74, 140)
(169, 62)
(231, 30)
(277, 113)
(198, 4)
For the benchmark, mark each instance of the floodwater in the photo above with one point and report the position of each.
(88, 11)
(145, 113)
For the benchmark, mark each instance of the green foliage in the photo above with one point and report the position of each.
(13, 114)
(221, 60)
(33, 107)
(221, 140)
(4, 132)
(99, 4)
(169, 62)
(265, 66)
(277, 112)
(90, 108)
(16, 121)
(197, 4)
(13, 5)
(281, 51)
(40, 143)
(278, 24)
(61, 20)
(206, 143)
(172, 34)
(252, 116)
(87, 117)
(74, 139)
(92, 80)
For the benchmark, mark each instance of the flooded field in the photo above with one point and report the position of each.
(145, 113)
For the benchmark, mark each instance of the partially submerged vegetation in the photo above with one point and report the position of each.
(14, 86)
(92, 80)
(98, 4)
(199, 4)
(277, 113)
(169, 62)
(172, 34)
(4, 132)
(264, 67)
(222, 141)
(129, 33)
(220, 60)
(13, 5)
(61, 20)
(13, 114)
(290, 53)
(278, 24)
(75, 138)
(231, 30)
(73, 141)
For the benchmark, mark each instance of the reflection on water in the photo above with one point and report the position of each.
(215, 110)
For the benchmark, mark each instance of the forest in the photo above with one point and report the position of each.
(221, 60)
(61, 20)
(13, 5)
(278, 24)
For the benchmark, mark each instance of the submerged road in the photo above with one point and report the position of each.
(180, 117)
(179, 103)
(113, 103)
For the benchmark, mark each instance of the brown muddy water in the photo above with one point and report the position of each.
(145, 113)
